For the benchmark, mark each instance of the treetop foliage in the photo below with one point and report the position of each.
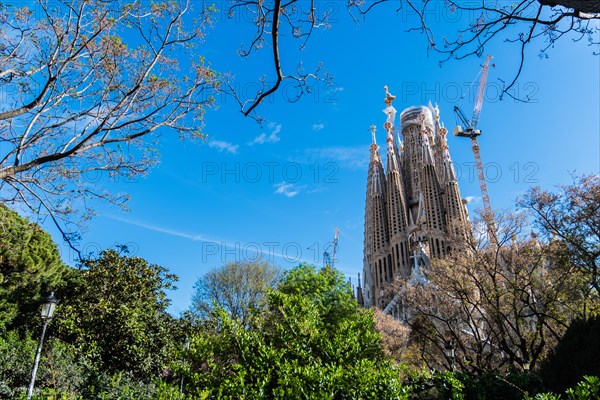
(118, 315)
(30, 267)
(326, 287)
(300, 346)
(239, 288)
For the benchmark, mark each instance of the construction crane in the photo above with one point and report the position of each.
(470, 130)
(327, 258)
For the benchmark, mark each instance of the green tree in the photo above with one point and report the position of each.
(16, 357)
(311, 342)
(587, 389)
(118, 316)
(30, 267)
(238, 288)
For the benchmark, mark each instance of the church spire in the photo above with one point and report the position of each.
(448, 168)
(390, 111)
(396, 199)
(427, 155)
(375, 157)
(395, 179)
(373, 130)
(376, 185)
(455, 209)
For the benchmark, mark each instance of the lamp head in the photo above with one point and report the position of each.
(449, 348)
(48, 306)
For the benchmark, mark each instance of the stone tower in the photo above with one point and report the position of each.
(410, 205)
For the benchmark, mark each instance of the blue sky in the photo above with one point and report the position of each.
(280, 190)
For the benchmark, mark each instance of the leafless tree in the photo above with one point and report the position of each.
(571, 215)
(87, 88)
(394, 334)
(501, 303)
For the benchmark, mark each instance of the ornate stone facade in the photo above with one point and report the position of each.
(409, 204)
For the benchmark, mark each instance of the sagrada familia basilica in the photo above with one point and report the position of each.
(411, 204)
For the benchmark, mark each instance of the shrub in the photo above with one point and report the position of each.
(577, 354)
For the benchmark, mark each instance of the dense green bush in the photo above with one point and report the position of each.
(117, 317)
(311, 342)
(500, 386)
(117, 387)
(587, 389)
(16, 358)
(437, 385)
(59, 369)
(577, 354)
(434, 386)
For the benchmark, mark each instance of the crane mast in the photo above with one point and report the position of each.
(472, 133)
(330, 259)
(487, 207)
(480, 92)
(335, 246)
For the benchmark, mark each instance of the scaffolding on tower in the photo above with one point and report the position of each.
(470, 130)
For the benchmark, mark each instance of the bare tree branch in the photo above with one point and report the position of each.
(276, 62)
(487, 21)
(268, 18)
(503, 305)
(89, 83)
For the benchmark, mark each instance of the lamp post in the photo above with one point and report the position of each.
(47, 311)
(449, 349)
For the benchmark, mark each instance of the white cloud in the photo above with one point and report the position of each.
(318, 127)
(272, 137)
(224, 146)
(471, 199)
(286, 189)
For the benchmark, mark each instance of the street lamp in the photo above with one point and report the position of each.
(47, 311)
(449, 349)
